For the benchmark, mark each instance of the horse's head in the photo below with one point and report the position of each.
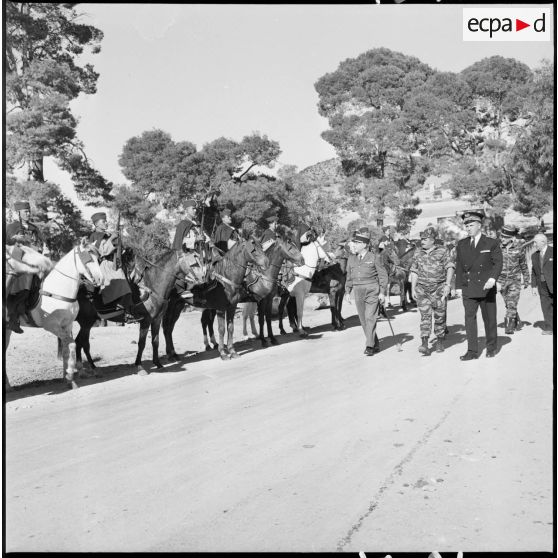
(255, 253)
(87, 262)
(290, 251)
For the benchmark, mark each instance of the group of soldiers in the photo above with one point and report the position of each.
(480, 265)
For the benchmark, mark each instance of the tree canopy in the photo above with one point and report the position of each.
(42, 49)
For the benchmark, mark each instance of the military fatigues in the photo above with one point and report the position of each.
(368, 278)
(509, 283)
(431, 267)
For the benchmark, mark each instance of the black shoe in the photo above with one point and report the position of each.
(490, 353)
(369, 351)
(440, 344)
(376, 349)
(469, 355)
(366, 349)
(509, 323)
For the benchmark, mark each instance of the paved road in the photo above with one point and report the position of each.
(307, 446)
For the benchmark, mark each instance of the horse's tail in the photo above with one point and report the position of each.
(59, 355)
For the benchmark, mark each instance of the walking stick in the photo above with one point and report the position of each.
(384, 312)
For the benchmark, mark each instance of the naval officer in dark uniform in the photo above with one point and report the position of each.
(477, 268)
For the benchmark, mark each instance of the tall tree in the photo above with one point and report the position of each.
(42, 48)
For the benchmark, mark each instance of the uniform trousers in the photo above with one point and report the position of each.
(510, 291)
(366, 302)
(488, 311)
(547, 305)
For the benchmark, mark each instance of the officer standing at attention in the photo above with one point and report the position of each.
(477, 268)
(367, 277)
(513, 268)
(431, 273)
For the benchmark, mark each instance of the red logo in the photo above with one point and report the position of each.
(519, 25)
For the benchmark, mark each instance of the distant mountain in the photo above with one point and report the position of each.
(329, 173)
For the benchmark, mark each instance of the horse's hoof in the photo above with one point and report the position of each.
(215, 347)
(208, 348)
(158, 365)
(72, 384)
(174, 358)
(234, 354)
(264, 343)
(224, 356)
(142, 371)
(273, 341)
(282, 332)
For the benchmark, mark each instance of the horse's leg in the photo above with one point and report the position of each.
(155, 328)
(230, 331)
(170, 317)
(281, 310)
(339, 305)
(299, 292)
(68, 348)
(268, 307)
(261, 319)
(82, 341)
(212, 314)
(221, 320)
(144, 328)
(292, 313)
(205, 324)
(332, 295)
(388, 301)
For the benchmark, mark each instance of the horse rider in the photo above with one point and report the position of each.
(115, 285)
(22, 231)
(368, 280)
(514, 268)
(225, 236)
(190, 240)
(431, 273)
(312, 252)
(477, 268)
(270, 234)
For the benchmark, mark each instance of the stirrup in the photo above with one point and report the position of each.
(186, 294)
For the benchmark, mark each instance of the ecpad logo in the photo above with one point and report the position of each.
(507, 24)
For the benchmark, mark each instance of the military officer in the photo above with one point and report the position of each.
(431, 273)
(22, 231)
(542, 270)
(514, 268)
(477, 268)
(115, 287)
(225, 236)
(367, 278)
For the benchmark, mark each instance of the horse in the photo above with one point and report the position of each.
(57, 306)
(398, 272)
(264, 286)
(221, 294)
(159, 278)
(329, 280)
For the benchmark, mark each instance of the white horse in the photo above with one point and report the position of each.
(57, 307)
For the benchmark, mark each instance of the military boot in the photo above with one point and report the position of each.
(509, 323)
(423, 349)
(518, 322)
(440, 344)
(17, 309)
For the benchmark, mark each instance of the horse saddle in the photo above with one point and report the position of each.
(106, 311)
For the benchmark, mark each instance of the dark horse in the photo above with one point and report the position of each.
(397, 263)
(159, 277)
(222, 294)
(329, 280)
(264, 286)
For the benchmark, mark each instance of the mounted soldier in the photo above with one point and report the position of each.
(21, 232)
(225, 236)
(190, 239)
(270, 234)
(115, 289)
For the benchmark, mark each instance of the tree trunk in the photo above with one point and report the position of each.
(35, 170)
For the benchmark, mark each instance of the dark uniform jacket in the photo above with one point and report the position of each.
(368, 271)
(33, 236)
(224, 233)
(475, 265)
(547, 269)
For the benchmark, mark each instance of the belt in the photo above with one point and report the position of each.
(302, 276)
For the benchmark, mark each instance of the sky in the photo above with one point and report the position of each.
(200, 72)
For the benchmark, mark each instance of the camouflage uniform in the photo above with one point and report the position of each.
(509, 282)
(431, 267)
